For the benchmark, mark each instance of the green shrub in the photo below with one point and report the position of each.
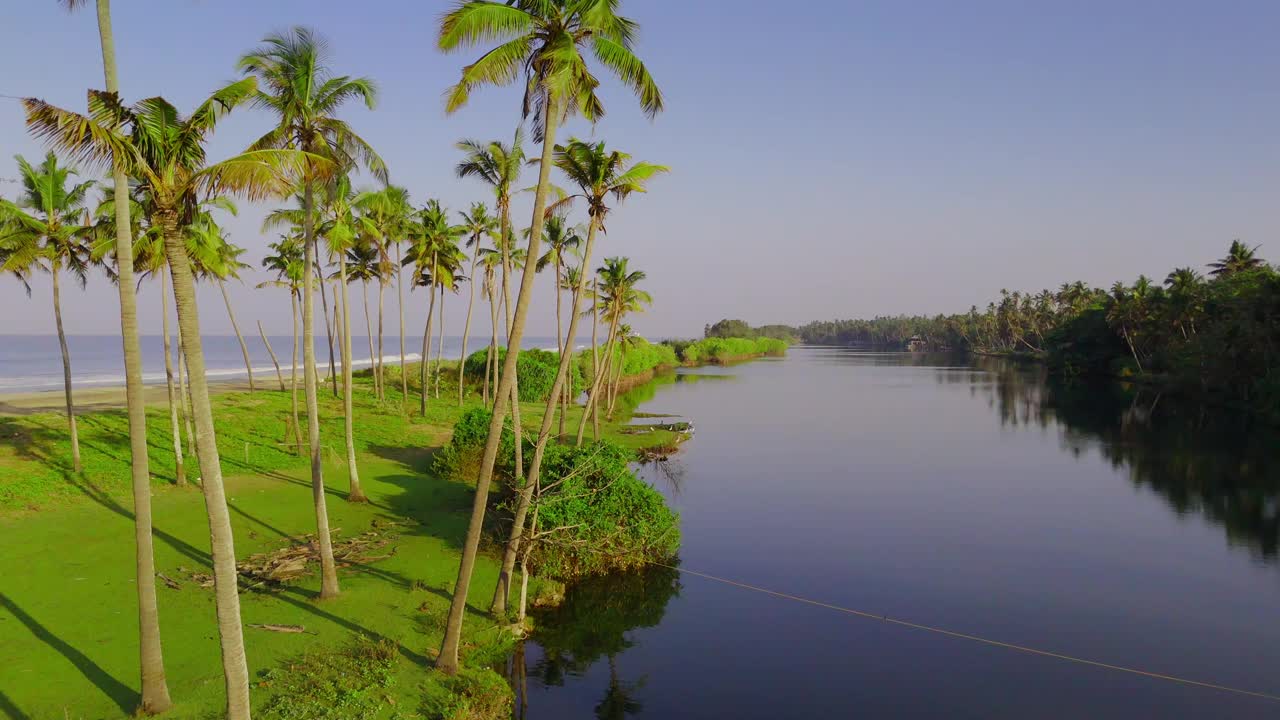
(460, 459)
(616, 520)
(722, 349)
(640, 356)
(535, 371)
(346, 684)
(471, 694)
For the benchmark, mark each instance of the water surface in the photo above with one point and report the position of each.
(1114, 525)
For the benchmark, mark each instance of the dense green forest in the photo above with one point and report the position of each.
(1217, 333)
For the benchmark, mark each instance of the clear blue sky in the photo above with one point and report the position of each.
(830, 158)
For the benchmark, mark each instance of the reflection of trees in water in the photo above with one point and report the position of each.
(1217, 463)
(593, 623)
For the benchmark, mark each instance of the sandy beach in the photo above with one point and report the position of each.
(95, 399)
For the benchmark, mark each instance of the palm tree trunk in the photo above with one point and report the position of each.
(66, 370)
(404, 370)
(185, 391)
(355, 494)
(426, 336)
(491, 356)
(524, 567)
(328, 570)
(466, 328)
(226, 594)
(179, 469)
(598, 373)
(447, 660)
(516, 426)
(440, 346)
(382, 378)
(244, 349)
(368, 324)
(560, 341)
(293, 371)
(617, 380)
(501, 592)
(272, 353)
(324, 303)
(155, 689)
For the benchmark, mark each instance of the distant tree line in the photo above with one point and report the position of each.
(741, 329)
(1218, 333)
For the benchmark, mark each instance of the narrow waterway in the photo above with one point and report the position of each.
(970, 495)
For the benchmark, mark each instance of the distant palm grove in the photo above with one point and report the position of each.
(1218, 332)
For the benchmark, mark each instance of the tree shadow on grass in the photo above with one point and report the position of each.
(11, 710)
(123, 695)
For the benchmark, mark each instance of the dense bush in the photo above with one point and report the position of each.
(460, 459)
(740, 329)
(721, 350)
(535, 371)
(615, 520)
(639, 356)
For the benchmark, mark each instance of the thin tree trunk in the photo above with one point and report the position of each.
(440, 346)
(516, 426)
(328, 571)
(560, 342)
(598, 374)
(368, 324)
(426, 336)
(466, 328)
(185, 391)
(501, 592)
(324, 304)
(491, 356)
(272, 353)
(293, 371)
(226, 594)
(356, 493)
(66, 370)
(179, 468)
(244, 349)
(447, 660)
(382, 377)
(404, 370)
(155, 689)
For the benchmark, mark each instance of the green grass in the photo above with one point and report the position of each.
(68, 627)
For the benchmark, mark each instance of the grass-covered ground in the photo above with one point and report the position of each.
(68, 628)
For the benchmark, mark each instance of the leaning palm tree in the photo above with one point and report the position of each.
(305, 96)
(1240, 257)
(155, 689)
(618, 296)
(597, 173)
(165, 150)
(41, 232)
(545, 40)
(476, 223)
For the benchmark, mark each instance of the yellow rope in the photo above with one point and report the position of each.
(974, 638)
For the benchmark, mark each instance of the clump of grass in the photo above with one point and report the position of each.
(346, 684)
(472, 694)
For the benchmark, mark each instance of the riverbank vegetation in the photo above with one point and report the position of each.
(1214, 334)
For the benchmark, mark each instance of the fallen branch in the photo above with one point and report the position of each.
(280, 628)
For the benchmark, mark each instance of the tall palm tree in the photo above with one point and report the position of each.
(287, 263)
(597, 173)
(1240, 257)
(363, 264)
(476, 223)
(1185, 293)
(165, 150)
(618, 296)
(431, 253)
(388, 212)
(305, 95)
(155, 689)
(41, 232)
(545, 39)
(215, 258)
(561, 239)
(490, 263)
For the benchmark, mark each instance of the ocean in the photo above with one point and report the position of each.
(33, 362)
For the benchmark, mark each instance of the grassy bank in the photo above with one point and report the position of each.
(68, 629)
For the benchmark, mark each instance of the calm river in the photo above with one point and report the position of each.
(966, 495)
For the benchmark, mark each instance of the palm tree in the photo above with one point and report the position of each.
(618, 296)
(560, 239)
(155, 689)
(598, 174)
(388, 212)
(215, 258)
(40, 232)
(1185, 292)
(545, 40)
(363, 264)
(153, 142)
(288, 265)
(1240, 257)
(432, 240)
(304, 94)
(490, 262)
(476, 223)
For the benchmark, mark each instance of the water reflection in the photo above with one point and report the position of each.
(1208, 461)
(594, 623)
